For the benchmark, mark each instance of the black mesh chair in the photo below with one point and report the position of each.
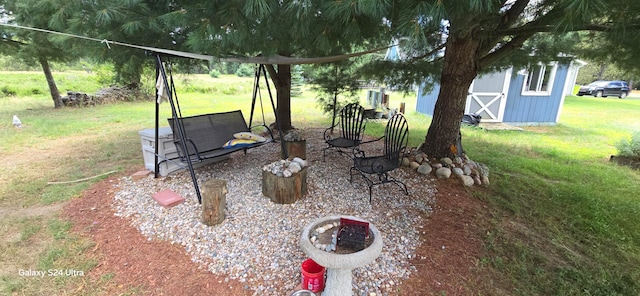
(375, 169)
(351, 125)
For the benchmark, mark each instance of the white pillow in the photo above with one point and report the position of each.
(249, 136)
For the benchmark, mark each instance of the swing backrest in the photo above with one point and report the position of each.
(208, 132)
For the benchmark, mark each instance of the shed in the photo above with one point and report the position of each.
(532, 96)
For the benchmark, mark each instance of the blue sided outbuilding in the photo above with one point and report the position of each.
(532, 96)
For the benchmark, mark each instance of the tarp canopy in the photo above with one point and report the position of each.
(268, 60)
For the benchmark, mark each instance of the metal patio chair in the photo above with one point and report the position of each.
(375, 169)
(351, 125)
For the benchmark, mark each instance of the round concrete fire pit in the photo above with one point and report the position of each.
(339, 266)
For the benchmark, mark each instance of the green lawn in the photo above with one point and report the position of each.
(564, 221)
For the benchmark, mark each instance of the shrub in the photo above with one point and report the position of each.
(630, 148)
(214, 73)
(8, 92)
(245, 70)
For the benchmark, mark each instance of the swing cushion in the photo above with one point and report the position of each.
(238, 143)
(250, 136)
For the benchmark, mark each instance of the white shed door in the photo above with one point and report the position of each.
(487, 96)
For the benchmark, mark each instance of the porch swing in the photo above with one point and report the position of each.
(212, 135)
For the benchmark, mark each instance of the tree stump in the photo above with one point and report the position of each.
(213, 201)
(294, 149)
(284, 190)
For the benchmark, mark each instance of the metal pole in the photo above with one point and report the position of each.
(180, 128)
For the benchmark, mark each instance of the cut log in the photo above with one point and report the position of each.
(214, 201)
(284, 190)
(294, 149)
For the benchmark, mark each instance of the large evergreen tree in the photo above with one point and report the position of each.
(128, 21)
(33, 47)
(478, 35)
(308, 28)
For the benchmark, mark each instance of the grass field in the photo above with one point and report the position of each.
(563, 220)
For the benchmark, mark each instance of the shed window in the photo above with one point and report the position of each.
(539, 79)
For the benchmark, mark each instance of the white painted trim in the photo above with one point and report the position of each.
(505, 93)
(549, 90)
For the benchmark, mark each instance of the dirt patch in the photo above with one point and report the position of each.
(34, 211)
(445, 262)
(632, 162)
(137, 264)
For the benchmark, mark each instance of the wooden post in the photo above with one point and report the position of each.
(284, 190)
(213, 201)
(402, 107)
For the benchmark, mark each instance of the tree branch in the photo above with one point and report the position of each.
(511, 16)
(435, 50)
(504, 50)
(13, 42)
(527, 29)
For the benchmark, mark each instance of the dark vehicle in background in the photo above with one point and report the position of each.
(601, 88)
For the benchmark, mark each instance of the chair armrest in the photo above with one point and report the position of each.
(326, 134)
(371, 141)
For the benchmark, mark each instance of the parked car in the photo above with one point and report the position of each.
(602, 88)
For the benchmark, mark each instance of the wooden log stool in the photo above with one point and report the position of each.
(294, 149)
(284, 190)
(214, 201)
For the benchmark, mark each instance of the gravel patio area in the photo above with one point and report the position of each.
(257, 243)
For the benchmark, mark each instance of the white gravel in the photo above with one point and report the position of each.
(257, 243)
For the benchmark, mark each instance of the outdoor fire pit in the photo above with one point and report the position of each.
(339, 261)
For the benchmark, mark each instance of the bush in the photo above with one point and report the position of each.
(630, 148)
(245, 70)
(214, 73)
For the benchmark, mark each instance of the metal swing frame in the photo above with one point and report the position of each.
(176, 113)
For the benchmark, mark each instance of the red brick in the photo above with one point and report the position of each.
(140, 175)
(168, 198)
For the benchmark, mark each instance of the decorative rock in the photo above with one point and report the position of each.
(414, 165)
(419, 158)
(485, 180)
(405, 161)
(477, 180)
(446, 161)
(466, 180)
(436, 165)
(457, 160)
(484, 170)
(457, 171)
(425, 169)
(302, 162)
(443, 173)
(287, 173)
(467, 170)
(294, 167)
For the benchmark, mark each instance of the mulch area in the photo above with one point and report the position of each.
(445, 262)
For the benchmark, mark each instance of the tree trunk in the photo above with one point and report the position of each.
(458, 72)
(53, 89)
(282, 81)
(600, 74)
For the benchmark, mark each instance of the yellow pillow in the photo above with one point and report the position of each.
(238, 143)
(249, 136)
